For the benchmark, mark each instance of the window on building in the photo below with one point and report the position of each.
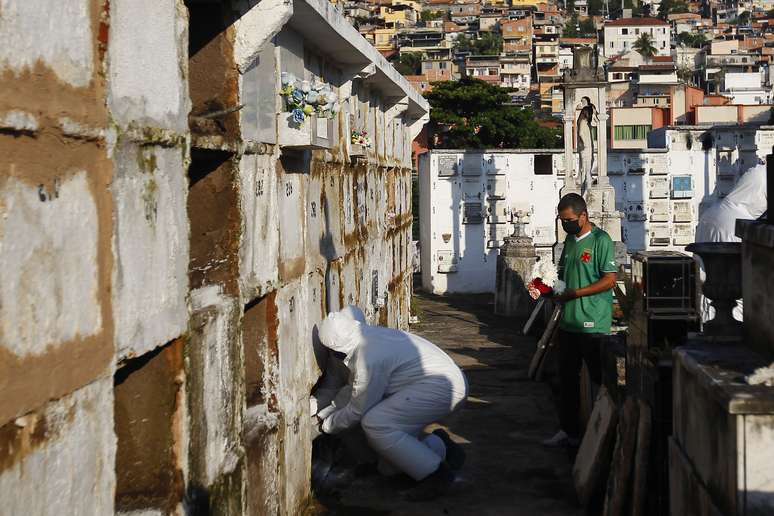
(442, 66)
(624, 32)
(626, 44)
(636, 31)
(632, 132)
(611, 44)
(617, 75)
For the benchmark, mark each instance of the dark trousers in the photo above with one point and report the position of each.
(574, 349)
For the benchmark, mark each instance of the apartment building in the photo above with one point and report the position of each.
(485, 68)
(517, 35)
(621, 34)
(516, 72)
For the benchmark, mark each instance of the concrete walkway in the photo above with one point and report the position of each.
(507, 471)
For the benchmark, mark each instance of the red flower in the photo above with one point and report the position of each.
(586, 256)
(541, 287)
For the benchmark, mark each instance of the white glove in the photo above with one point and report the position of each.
(312, 405)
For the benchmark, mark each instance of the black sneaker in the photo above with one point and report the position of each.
(433, 486)
(455, 455)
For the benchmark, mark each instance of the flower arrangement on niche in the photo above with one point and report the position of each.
(361, 138)
(303, 98)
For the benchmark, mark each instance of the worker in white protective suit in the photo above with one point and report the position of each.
(400, 384)
(334, 390)
(747, 201)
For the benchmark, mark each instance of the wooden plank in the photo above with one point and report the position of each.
(533, 316)
(544, 342)
(619, 482)
(641, 456)
(593, 460)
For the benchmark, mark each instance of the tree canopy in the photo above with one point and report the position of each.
(428, 15)
(644, 45)
(409, 63)
(595, 7)
(692, 40)
(668, 7)
(473, 114)
(489, 44)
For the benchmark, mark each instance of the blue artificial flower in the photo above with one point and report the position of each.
(297, 116)
(298, 97)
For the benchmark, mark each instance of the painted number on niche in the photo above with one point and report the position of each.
(259, 188)
(288, 189)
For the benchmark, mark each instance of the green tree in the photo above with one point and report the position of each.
(668, 7)
(587, 28)
(409, 63)
(430, 15)
(664, 7)
(570, 29)
(644, 45)
(487, 45)
(692, 40)
(595, 7)
(473, 114)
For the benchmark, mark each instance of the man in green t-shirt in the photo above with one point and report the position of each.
(588, 268)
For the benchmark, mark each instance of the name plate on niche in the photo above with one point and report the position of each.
(322, 128)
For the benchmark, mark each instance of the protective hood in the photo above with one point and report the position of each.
(354, 313)
(750, 192)
(339, 332)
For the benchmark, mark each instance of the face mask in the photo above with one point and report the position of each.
(571, 227)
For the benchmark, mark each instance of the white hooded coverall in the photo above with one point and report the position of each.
(400, 384)
(746, 201)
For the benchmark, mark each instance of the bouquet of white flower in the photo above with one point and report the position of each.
(546, 280)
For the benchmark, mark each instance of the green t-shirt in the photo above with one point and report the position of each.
(584, 261)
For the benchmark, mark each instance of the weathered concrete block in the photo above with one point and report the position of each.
(316, 244)
(350, 280)
(259, 247)
(292, 217)
(150, 276)
(67, 48)
(59, 459)
(348, 205)
(216, 393)
(215, 219)
(148, 74)
(49, 287)
(333, 215)
(150, 426)
(296, 377)
(334, 295)
(732, 457)
(54, 317)
(688, 496)
(263, 466)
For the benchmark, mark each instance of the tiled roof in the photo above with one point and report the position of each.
(634, 22)
(577, 41)
(657, 67)
(662, 59)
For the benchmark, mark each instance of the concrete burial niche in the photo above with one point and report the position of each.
(149, 410)
(213, 212)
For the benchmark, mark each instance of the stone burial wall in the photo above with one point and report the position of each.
(168, 240)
